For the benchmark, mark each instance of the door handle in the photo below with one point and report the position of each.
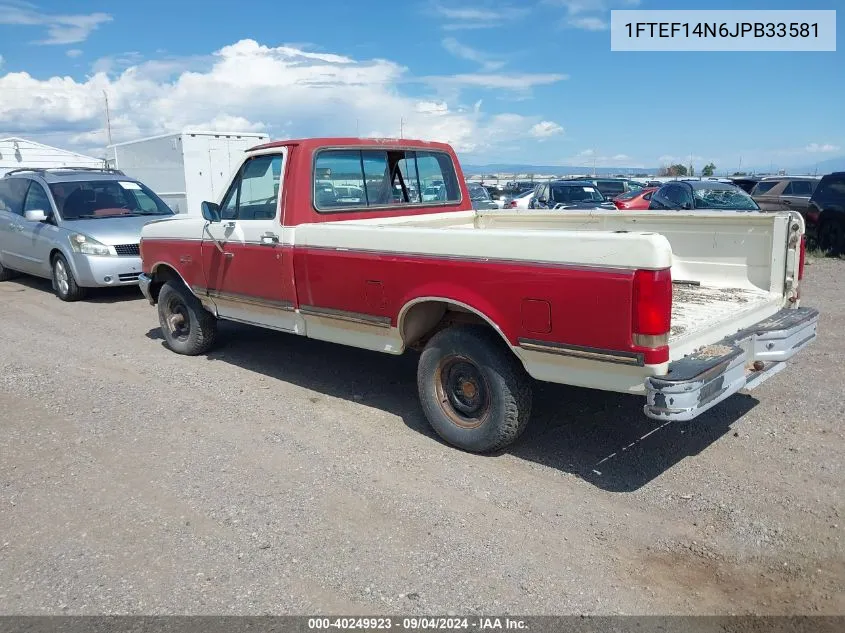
(227, 225)
(269, 239)
(787, 202)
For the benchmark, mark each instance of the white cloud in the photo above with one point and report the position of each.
(471, 54)
(589, 15)
(816, 148)
(478, 17)
(61, 29)
(248, 86)
(505, 81)
(73, 52)
(545, 129)
(588, 23)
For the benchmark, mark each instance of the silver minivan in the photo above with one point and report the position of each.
(79, 227)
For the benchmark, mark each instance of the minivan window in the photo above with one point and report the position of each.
(12, 192)
(384, 177)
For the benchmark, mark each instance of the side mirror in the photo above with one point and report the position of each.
(542, 200)
(211, 211)
(35, 215)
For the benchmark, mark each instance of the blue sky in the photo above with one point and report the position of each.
(530, 82)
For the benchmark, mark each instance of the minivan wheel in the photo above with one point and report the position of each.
(832, 236)
(6, 273)
(64, 282)
(187, 326)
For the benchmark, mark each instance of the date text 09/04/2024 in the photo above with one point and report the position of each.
(715, 30)
(416, 623)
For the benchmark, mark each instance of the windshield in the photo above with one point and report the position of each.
(734, 199)
(569, 193)
(477, 192)
(86, 199)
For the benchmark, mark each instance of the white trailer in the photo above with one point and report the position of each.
(185, 168)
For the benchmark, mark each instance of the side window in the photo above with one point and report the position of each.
(12, 193)
(673, 195)
(229, 207)
(254, 194)
(36, 199)
(259, 188)
(789, 190)
(802, 188)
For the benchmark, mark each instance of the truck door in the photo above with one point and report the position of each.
(246, 260)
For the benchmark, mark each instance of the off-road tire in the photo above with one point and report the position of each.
(64, 283)
(177, 308)
(475, 356)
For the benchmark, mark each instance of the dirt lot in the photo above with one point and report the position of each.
(280, 475)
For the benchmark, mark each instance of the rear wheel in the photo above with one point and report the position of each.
(64, 283)
(832, 236)
(187, 326)
(6, 273)
(473, 391)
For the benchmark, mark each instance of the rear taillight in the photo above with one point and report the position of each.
(512, 204)
(802, 255)
(652, 309)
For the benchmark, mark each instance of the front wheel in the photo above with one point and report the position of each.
(64, 283)
(474, 392)
(187, 326)
(6, 273)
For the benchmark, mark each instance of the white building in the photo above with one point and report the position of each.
(19, 152)
(185, 168)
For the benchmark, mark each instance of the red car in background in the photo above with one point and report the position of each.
(636, 199)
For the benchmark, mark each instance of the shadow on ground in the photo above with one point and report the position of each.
(117, 294)
(600, 436)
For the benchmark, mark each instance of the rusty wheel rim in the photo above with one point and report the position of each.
(462, 392)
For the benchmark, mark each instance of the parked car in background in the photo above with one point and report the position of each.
(609, 187)
(825, 214)
(688, 195)
(637, 199)
(569, 194)
(80, 227)
(746, 183)
(521, 201)
(480, 197)
(789, 193)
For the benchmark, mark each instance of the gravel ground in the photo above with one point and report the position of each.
(281, 475)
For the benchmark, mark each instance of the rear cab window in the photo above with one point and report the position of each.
(361, 178)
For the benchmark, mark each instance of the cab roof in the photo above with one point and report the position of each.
(388, 143)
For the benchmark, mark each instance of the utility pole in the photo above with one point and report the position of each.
(401, 127)
(357, 133)
(108, 117)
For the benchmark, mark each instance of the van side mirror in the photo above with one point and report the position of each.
(35, 215)
(211, 211)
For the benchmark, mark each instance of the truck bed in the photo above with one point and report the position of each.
(700, 313)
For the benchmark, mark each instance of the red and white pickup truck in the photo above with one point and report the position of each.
(343, 240)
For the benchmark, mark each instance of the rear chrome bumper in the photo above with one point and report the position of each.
(697, 382)
(144, 284)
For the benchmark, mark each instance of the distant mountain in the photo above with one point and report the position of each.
(558, 170)
(823, 166)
